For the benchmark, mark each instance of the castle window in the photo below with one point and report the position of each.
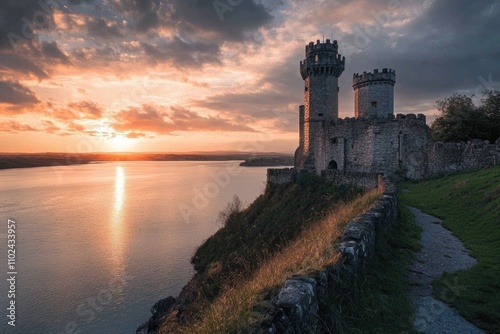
(334, 141)
(374, 104)
(306, 89)
(316, 58)
(332, 165)
(320, 115)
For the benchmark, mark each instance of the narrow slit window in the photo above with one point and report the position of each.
(374, 104)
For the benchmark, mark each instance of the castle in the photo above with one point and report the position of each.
(374, 141)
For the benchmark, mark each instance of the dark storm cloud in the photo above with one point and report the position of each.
(188, 32)
(52, 51)
(181, 53)
(145, 14)
(16, 94)
(198, 28)
(453, 46)
(222, 17)
(227, 19)
(21, 65)
(21, 20)
(102, 28)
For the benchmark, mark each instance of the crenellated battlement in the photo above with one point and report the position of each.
(322, 59)
(407, 118)
(387, 76)
(327, 46)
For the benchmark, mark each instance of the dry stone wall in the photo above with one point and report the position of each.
(455, 157)
(297, 305)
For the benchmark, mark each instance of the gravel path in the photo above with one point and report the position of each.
(441, 252)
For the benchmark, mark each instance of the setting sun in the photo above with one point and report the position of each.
(120, 143)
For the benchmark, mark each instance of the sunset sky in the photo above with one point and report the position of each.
(205, 75)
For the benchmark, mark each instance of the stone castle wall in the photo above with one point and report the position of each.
(297, 305)
(361, 180)
(281, 175)
(375, 145)
(455, 157)
(289, 175)
(397, 144)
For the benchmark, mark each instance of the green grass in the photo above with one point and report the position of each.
(469, 204)
(380, 303)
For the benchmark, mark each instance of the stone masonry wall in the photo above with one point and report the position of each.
(375, 145)
(297, 305)
(456, 157)
(361, 180)
(289, 175)
(374, 93)
(281, 175)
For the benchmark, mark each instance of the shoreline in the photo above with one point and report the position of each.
(11, 161)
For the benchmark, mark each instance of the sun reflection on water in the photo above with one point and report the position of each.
(117, 229)
(119, 189)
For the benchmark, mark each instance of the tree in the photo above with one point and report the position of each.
(462, 120)
(491, 108)
(231, 209)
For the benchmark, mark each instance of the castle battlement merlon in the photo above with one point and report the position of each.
(322, 59)
(408, 118)
(387, 75)
(327, 46)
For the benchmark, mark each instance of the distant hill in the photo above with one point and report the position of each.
(25, 160)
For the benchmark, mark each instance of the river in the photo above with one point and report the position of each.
(98, 244)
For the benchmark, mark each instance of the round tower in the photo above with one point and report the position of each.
(374, 93)
(320, 71)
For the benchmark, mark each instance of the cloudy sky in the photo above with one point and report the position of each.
(204, 75)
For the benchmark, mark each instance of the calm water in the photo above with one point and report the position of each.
(98, 244)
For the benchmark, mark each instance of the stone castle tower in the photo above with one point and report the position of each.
(320, 71)
(374, 93)
(374, 141)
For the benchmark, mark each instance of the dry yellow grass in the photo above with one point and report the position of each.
(312, 251)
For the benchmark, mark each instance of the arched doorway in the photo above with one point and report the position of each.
(332, 165)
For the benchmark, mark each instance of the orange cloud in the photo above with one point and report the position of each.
(13, 127)
(156, 119)
(82, 110)
(87, 109)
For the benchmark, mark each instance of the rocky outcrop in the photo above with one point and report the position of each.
(159, 312)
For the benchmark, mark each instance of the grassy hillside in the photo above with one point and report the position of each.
(286, 231)
(273, 220)
(469, 204)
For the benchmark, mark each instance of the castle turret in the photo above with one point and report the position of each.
(374, 93)
(320, 70)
